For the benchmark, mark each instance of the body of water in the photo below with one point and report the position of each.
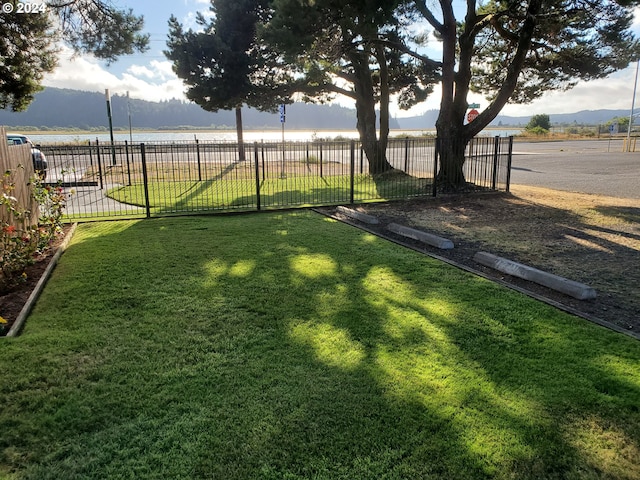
(230, 135)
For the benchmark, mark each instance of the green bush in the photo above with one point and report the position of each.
(21, 241)
(539, 121)
(538, 131)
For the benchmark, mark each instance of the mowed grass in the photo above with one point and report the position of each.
(292, 190)
(289, 346)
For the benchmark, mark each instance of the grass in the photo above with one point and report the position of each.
(293, 190)
(286, 345)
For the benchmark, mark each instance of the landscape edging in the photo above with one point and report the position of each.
(26, 309)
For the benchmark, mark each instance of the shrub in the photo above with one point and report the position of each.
(21, 241)
(537, 131)
(539, 121)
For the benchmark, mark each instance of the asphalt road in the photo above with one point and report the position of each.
(585, 166)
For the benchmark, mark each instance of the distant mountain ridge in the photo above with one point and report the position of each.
(66, 108)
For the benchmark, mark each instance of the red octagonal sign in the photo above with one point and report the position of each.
(472, 115)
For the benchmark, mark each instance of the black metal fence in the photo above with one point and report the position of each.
(134, 180)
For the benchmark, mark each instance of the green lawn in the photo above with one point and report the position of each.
(294, 190)
(289, 346)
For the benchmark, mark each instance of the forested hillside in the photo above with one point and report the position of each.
(64, 108)
(56, 108)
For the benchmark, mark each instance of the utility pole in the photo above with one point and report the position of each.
(633, 103)
(113, 148)
(129, 114)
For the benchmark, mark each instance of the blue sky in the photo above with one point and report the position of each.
(149, 76)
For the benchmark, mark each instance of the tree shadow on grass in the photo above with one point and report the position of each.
(628, 214)
(290, 346)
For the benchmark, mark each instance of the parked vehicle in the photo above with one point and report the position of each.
(38, 158)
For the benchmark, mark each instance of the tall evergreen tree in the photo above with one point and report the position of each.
(222, 64)
(26, 54)
(262, 52)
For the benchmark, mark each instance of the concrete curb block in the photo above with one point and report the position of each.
(363, 217)
(428, 238)
(24, 313)
(555, 282)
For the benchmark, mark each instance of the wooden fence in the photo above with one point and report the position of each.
(16, 168)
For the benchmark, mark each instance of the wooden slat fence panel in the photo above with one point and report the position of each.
(16, 167)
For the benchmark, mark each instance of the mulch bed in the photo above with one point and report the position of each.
(12, 303)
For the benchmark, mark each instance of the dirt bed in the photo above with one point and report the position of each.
(587, 238)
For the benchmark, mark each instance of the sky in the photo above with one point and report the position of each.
(148, 76)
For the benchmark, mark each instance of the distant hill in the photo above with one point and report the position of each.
(65, 108)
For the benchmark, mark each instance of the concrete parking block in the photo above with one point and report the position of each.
(363, 217)
(555, 282)
(428, 238)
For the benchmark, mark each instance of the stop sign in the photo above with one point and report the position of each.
(472, 115)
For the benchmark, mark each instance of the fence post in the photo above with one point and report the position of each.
(307, 149)
(509, 158)
(99, 164)
(257, 167)
(198, 157)
(496, 149)
(352, 147)
(126, 147)
(406, 155)
(264, 171)
(436, 154)
(90, 153)
(145, 179)
(320, 143)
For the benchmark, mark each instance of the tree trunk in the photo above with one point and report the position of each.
(451, 158)
(453, 134)
(384, 98)
(375, 150)
(451, 138)
(241, 154)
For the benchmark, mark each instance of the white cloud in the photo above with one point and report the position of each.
(163, 69)
(154, 81)
(141, 71)
(612, 93)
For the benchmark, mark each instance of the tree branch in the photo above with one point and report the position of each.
(513, 72)
(404, 49)
(421, 6)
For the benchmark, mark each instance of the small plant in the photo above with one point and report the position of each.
(21, 239)
(538, 131)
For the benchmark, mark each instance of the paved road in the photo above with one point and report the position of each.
(586, 166)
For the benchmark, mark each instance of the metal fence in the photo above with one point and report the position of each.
(144, 180)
